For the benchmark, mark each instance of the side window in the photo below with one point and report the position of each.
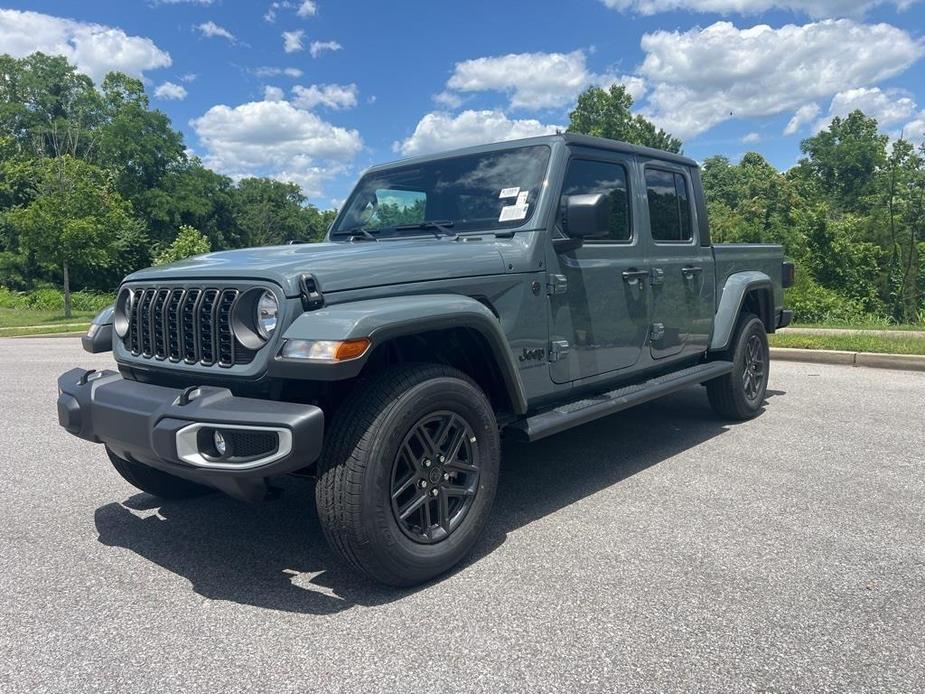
(587, 177)
(669, 206)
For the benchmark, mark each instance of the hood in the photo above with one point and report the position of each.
(340, 266)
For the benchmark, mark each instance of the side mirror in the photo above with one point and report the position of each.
(587, 216)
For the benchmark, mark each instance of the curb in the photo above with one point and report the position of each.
(902, 362)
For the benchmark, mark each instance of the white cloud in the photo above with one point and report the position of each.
(210, 30)
(440, 131)
(703, 77)
(273, 138)
(751, 138)
(803, 115)
(292, 40)
(189, 77)
(271, 93)
(334, 96)
(888, 107)
(169, 90)
(813, 8)
(266, 71)
(94, 48)
(914, 130)
(308, 8)
(318, 47)
(531, 80)
(448, 99)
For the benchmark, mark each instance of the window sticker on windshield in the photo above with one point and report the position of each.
(510, 213)
(509, 192)
(522, 198)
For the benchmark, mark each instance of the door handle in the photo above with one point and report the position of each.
(691, 270)
(636, 276)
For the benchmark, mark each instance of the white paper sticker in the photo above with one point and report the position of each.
(522, 198)
(510, 213)
(509, 192)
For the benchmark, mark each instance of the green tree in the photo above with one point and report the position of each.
(606, 113)
(74, 220)
(269, 212)
(189, 242)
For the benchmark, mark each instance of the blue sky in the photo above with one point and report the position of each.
(316, 91)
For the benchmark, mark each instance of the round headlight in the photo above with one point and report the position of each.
(121, 317)
(267, 313)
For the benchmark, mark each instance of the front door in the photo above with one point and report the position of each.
(680, 268)
(598, 298)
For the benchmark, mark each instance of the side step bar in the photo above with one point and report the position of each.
(587, 410)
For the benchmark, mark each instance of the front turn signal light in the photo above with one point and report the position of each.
(325, 350)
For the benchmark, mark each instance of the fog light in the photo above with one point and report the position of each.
(220, 446)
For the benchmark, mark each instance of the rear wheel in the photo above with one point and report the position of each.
(409, 473)
(740, 394)
(155, 482)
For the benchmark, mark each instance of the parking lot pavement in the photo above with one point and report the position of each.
(659, 549)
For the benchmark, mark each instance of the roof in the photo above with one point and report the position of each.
(567, 138)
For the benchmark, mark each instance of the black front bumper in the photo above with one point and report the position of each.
(141, 422)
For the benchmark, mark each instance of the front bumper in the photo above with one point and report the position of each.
(165, 427)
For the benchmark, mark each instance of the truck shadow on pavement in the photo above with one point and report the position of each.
(274, 555)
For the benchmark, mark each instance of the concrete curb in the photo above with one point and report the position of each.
(902, 362)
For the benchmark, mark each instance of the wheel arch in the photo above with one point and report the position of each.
(750, 291)
(451, 329)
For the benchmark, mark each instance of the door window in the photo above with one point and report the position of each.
(586, 177)
(669, 206)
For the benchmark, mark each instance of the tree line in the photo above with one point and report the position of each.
(94, 184)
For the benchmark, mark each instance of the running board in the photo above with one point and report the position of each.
(587, 410)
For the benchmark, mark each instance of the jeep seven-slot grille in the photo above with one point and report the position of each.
(191, 324)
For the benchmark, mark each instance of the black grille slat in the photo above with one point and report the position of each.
(188, 324)
(144, 322)
(174, 338)
(207, 332)
(223, 322)
(159, 323)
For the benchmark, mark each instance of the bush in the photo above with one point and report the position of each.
(814, 304)
(189, 242)
(49, 299)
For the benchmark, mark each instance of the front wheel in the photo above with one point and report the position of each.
(409, 473)
(740, 394)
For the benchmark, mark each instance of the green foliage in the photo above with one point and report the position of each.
(606, 113)
(271, 212)
(50, 299)
(189, 242)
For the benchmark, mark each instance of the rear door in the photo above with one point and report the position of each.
(600, 316)
(681, 269)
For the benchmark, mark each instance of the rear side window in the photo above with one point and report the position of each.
(669, 206)
(589, 177)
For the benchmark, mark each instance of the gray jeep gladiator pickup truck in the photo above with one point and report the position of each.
(516, 289)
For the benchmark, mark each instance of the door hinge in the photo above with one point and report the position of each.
(656, 332)
(657, 276)
(557, 284)
(558, 349)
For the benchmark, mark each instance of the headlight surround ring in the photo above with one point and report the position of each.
(121, 317)
(266, 316)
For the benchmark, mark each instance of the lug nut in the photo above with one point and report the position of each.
(423, 484)
(442, 458)
(427, 462)
(434, 491)
(446, 477)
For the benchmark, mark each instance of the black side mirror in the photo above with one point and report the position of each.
(585, 217)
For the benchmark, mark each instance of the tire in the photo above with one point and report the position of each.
(740, 394)
(378, 449)
(155, 482)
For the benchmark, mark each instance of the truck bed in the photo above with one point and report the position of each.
(739, 257)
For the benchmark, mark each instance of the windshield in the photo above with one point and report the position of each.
(484, 191)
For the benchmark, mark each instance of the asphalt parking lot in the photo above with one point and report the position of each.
(658, 550)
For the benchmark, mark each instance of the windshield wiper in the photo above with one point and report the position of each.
(356, 233)
(441, 226)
